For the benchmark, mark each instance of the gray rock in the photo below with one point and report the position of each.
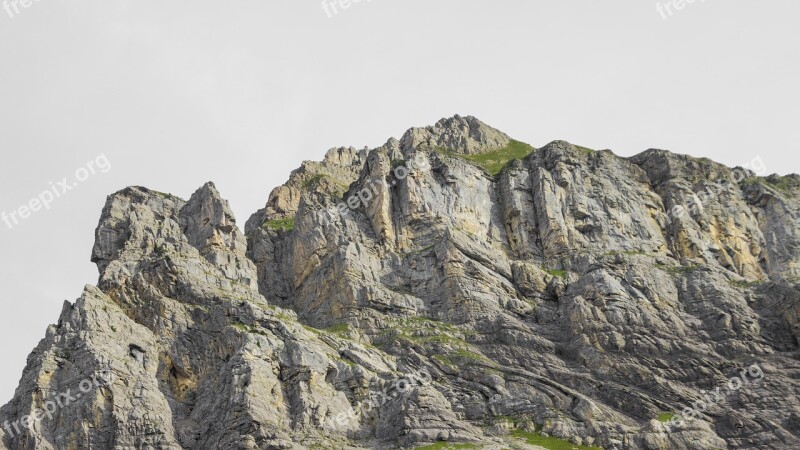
(562, 296)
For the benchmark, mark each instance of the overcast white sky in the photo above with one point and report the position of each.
(240, 92)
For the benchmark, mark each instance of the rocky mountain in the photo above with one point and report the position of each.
(452, 289)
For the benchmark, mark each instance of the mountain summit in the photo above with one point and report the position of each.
(463, 135)
(455, 288)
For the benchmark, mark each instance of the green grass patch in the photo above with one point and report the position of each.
(339, 329)
(560, 273)
(665, 417)
(442, 339)
(584, 150)
(549, 442)
(285, 317)
(495, 161)
(279, 224)
(444, 360)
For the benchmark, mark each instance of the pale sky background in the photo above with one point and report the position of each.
(240, 92)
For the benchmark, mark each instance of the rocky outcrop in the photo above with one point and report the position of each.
(574, 295)
(331, 177)
(463, 135)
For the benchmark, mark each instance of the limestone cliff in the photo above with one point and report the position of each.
(453, 285)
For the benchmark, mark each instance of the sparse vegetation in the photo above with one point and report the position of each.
(279, 224)
(783, 184)
(665, 417)
(549, 442)
(249, 329)
(160, 194)
(495, 161)
(560, 273)
(678, 270)
(584, 150)
(628, 252)
(311, 329)
(743, 284)
(451, 359)
(422, 250)
(338, 329)
(312, 182)
(442, 339)
(422, 330)
(446, 446)
(425, 322)
(750, 181)
(466, 354)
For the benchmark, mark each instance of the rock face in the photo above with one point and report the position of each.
(403, 296)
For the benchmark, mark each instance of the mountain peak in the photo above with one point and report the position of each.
(462, 135)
